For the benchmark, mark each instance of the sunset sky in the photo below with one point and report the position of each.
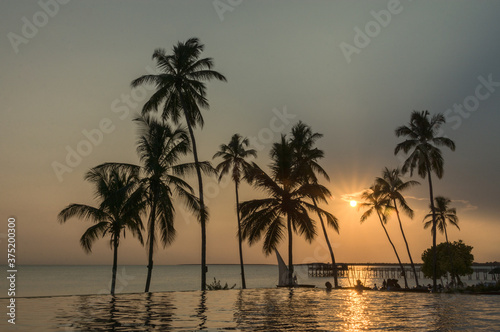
(353, 71)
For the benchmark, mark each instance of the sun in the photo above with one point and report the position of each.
(353, 203)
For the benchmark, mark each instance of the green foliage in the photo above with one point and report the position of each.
(456, 255)
(215, 285)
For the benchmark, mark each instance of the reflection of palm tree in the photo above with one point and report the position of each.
(302, 141)
(376, 201)
(425, 157)
(182, 91)
(201, 309)
(119, 209)
(234, 155)
(392, 185)
(444, 214)
(287, 199)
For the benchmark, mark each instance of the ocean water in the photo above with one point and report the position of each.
(51, 298)
(85, 280)
(267, 309)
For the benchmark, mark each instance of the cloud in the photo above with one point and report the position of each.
(459, 204)
(353, 196)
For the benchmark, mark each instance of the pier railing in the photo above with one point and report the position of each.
(390, 271)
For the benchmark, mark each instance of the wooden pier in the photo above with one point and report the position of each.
(363, 271)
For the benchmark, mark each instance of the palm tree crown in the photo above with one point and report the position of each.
(444, 214)
(181, 81)
(421, 138)
(234, 155)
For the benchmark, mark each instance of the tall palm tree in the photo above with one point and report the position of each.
(392, 185)
(425, 157)
(120, 205)
(160, 148)
(376, 201)
(302, 142)
(444, 214)
(181, 89)
(234, 155)
(286, 208)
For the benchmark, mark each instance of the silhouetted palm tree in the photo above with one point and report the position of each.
(425, 157)
(392, 185)
(444, 214)
(376, 201)
(120, 205)
(234, 155)
(182, 91)
(302, 142)
(160, 148)
(287, 199)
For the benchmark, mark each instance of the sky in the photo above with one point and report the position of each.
(353, 71)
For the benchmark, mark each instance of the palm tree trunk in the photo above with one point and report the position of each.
(115, 263)
(243, 283)
(151, 243)
(434, 248)
(394, 248)
(332, 256)
(202, 201)
(290, 253)
(406, 242)
(452, 272)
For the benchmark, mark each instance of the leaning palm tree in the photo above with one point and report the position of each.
(181, 93)
(160, 148)
(120, 205)
(307, 156)
(425, 157)
(392, 185)
(234, 162)
(286, 208)
(376, 201)
(444, 214)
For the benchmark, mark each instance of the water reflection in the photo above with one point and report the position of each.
(263, 310)
(201, 310)
(134, 312)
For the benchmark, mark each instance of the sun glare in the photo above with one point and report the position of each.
(353, 203)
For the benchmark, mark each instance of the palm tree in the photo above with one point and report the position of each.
(443, 214)
(376, 201)
(182, 91)
(392, 185)
(234, 155)
(425, 157)
(160, 147)
(286, 207)
(302, 142)
(120, 205)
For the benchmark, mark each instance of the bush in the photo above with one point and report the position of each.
(215, 285)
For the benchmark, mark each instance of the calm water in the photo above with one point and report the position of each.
(177, 304)
(83, 280)
(259, 310)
